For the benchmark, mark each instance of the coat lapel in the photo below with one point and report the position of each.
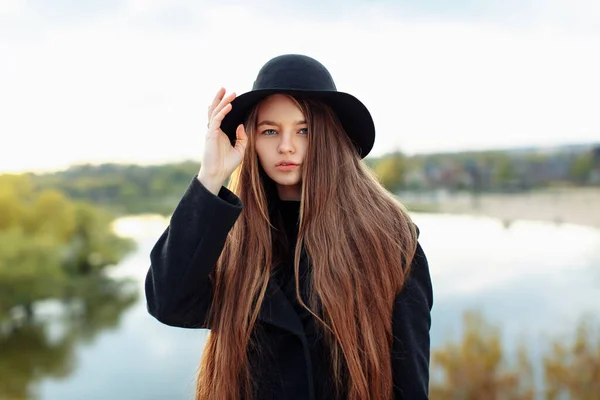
(277, 308)
(278, 311)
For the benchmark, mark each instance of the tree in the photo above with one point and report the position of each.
(47, 242)
(12, 191)
(51, 213)
(30, 270)
(572, 369)
(475, 367)
(391, 171)
(582, 168)
(124, 189)
(505, 171)
(93, 246)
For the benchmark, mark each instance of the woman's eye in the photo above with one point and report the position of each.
(303, 131)
(269, 132)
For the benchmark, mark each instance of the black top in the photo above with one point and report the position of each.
(289, 212)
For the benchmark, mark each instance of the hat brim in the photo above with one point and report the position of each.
(352, 113)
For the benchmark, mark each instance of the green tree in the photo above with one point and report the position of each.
(47, 242)
(52, 214)
(582, 168)
(391, 171)
(30, 270)
(124, 189)
(505, 171)
(11, 194)
(93, 246)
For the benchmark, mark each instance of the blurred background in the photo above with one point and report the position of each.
(488, 129)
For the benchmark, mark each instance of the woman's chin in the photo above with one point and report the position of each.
(285, 179)
(287, 182)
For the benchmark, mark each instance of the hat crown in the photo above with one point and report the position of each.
(296, 72)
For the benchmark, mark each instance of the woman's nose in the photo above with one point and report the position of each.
(286, 143)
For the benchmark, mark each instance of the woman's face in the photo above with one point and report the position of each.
(281, 144)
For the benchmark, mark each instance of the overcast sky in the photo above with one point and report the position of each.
(130, 80)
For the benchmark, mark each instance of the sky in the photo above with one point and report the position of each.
(129, 81)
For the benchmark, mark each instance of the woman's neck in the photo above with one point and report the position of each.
(289, 192)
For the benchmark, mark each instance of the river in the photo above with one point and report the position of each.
(535, 280)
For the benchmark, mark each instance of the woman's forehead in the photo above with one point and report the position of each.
(279, 106)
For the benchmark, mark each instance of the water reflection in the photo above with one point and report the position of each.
(534, 280)
(45, 347)
(28, 354)
(100, 306)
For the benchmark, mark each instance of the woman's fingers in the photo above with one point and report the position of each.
(225, 101)
(241, 138)
(215, 102)
(218, 118)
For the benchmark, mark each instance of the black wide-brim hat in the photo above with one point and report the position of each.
(302, 76)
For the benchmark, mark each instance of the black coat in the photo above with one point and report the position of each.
(179, 293)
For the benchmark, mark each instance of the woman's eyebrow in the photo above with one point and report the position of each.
(266, 122)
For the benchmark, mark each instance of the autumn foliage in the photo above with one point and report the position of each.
(478, 367)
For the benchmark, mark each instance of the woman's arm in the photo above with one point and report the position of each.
(411, 324)
(178, 287)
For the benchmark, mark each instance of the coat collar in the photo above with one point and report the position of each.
(279, 306)
(277, 310)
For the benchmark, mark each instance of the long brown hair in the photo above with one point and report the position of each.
(360, 242)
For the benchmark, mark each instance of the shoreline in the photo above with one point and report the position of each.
(578, 206)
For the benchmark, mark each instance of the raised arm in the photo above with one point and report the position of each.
(178, 289)
(178, 286)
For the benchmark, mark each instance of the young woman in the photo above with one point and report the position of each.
(306, 270)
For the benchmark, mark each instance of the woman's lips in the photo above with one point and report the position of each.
(286, 167)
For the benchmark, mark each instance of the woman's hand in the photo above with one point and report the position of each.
(220, 157)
